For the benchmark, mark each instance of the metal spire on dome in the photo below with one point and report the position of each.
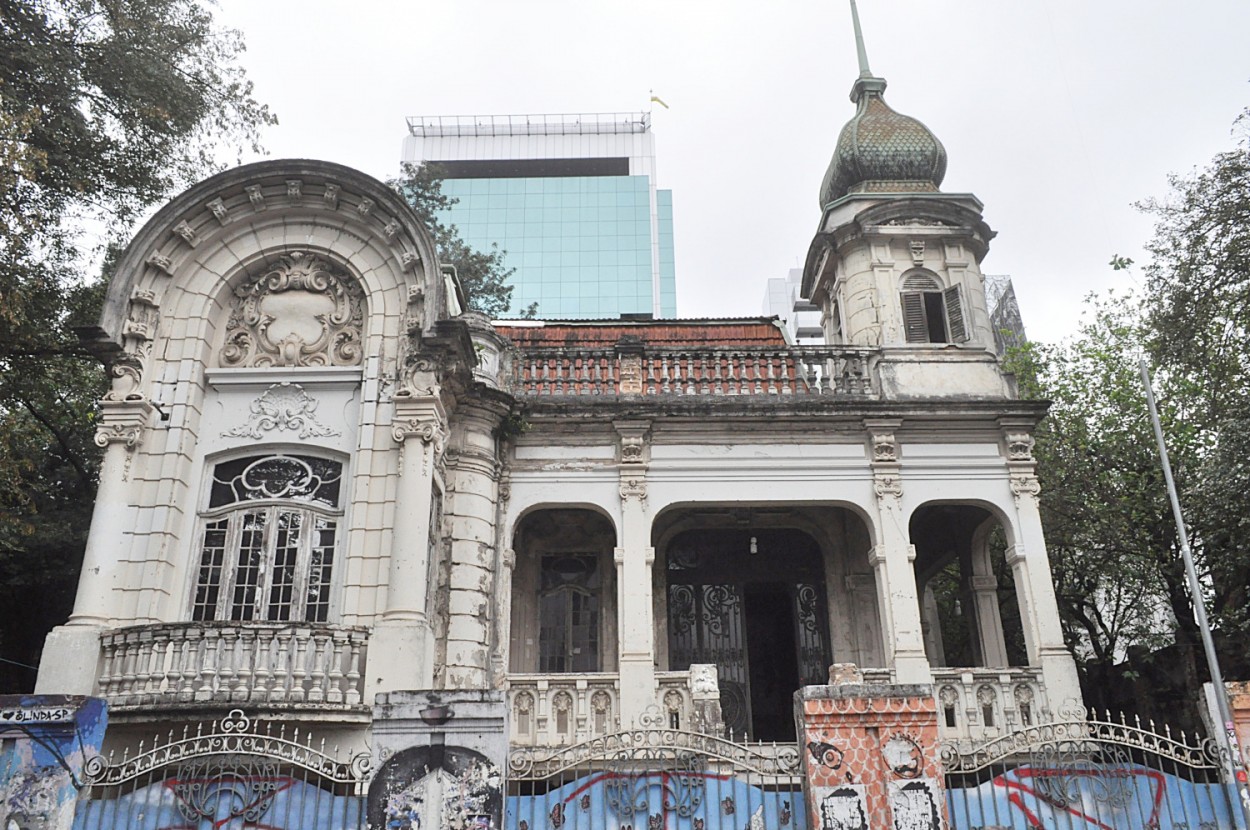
(866, 82)
(864, 71)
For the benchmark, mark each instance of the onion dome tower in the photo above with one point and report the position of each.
(895, 263)
(880, 150)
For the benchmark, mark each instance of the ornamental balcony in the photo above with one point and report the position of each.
(979, 704)
(298, 666)
(696, 371)
(570, 708)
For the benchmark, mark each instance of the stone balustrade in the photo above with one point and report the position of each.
(562, 709)
(699, 371)
(565, 709)
(980, 704)
(188, 664)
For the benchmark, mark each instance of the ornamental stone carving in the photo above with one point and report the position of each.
(632, 449)
(283, 406)
(300, 311)
(884, 447)
(1025, 485)
(888, 486)
(1019, 446)
(127, 368)
(633, 488)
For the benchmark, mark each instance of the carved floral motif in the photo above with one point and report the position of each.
(283, 406)
(299, 312)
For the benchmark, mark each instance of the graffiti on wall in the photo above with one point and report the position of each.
(1125, 797)
(435, 787)
(658, 800)
(44, 742)
(224, 792)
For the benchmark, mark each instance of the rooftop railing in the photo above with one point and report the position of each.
(695, 371)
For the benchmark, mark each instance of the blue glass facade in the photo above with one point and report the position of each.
(582, 247)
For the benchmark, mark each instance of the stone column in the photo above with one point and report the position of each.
(634, 559)
(401, 650)
(989, 621)
(1035, 587)
(472, 471)
(931, 624)
(72, 651)
(892, 560)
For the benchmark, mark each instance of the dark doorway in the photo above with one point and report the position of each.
(753, 603)
(774, 663)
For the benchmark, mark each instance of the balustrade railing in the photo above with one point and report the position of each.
(979, 704)
(566, 709)
(175, 664)
(699, 371)
(563, 709)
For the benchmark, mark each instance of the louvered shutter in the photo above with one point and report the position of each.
(955, 315)
(914, 324)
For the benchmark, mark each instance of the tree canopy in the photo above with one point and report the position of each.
(1116, 557)
(106, 108)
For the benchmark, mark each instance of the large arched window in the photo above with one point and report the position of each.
(269, 539)
(932, 314)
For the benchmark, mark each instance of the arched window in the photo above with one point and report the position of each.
(932, 314)
(269, 540)
(568, 613)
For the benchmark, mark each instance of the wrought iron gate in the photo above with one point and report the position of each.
(1090, 775)
(235, 773)
(658, 779)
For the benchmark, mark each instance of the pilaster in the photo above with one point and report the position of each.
(634, 559)
(1030, 567)
(892, 560)
(472, 472)
(401, 650)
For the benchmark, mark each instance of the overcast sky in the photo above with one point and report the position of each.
(1058, 114)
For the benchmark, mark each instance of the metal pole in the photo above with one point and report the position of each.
(1200, 607)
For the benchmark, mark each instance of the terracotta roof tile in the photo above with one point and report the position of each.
(749, 331)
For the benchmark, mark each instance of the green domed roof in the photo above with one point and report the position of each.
(882, 151)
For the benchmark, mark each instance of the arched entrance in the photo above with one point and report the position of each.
(752, 601)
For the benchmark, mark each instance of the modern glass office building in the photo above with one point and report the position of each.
(571, 199)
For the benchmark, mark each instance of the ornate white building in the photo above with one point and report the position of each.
(323, 481)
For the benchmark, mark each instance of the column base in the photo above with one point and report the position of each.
(912, 668)
(1062, 684)
(70, 663)
(637, 691)
(401, 657)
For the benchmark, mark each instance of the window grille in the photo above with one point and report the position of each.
(269, 540)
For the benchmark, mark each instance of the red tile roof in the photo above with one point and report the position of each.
(748, 331)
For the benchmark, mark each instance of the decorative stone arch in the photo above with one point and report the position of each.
(965, 528)
(792, 573)
(185, 261)
(588, 534)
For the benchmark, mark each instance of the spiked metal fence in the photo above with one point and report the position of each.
(234, 772)
(1112, 774)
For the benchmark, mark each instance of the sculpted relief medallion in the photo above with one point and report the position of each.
(299, 311)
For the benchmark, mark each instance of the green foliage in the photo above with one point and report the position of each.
(482, 273)
(106, 107)
(1115, 552)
